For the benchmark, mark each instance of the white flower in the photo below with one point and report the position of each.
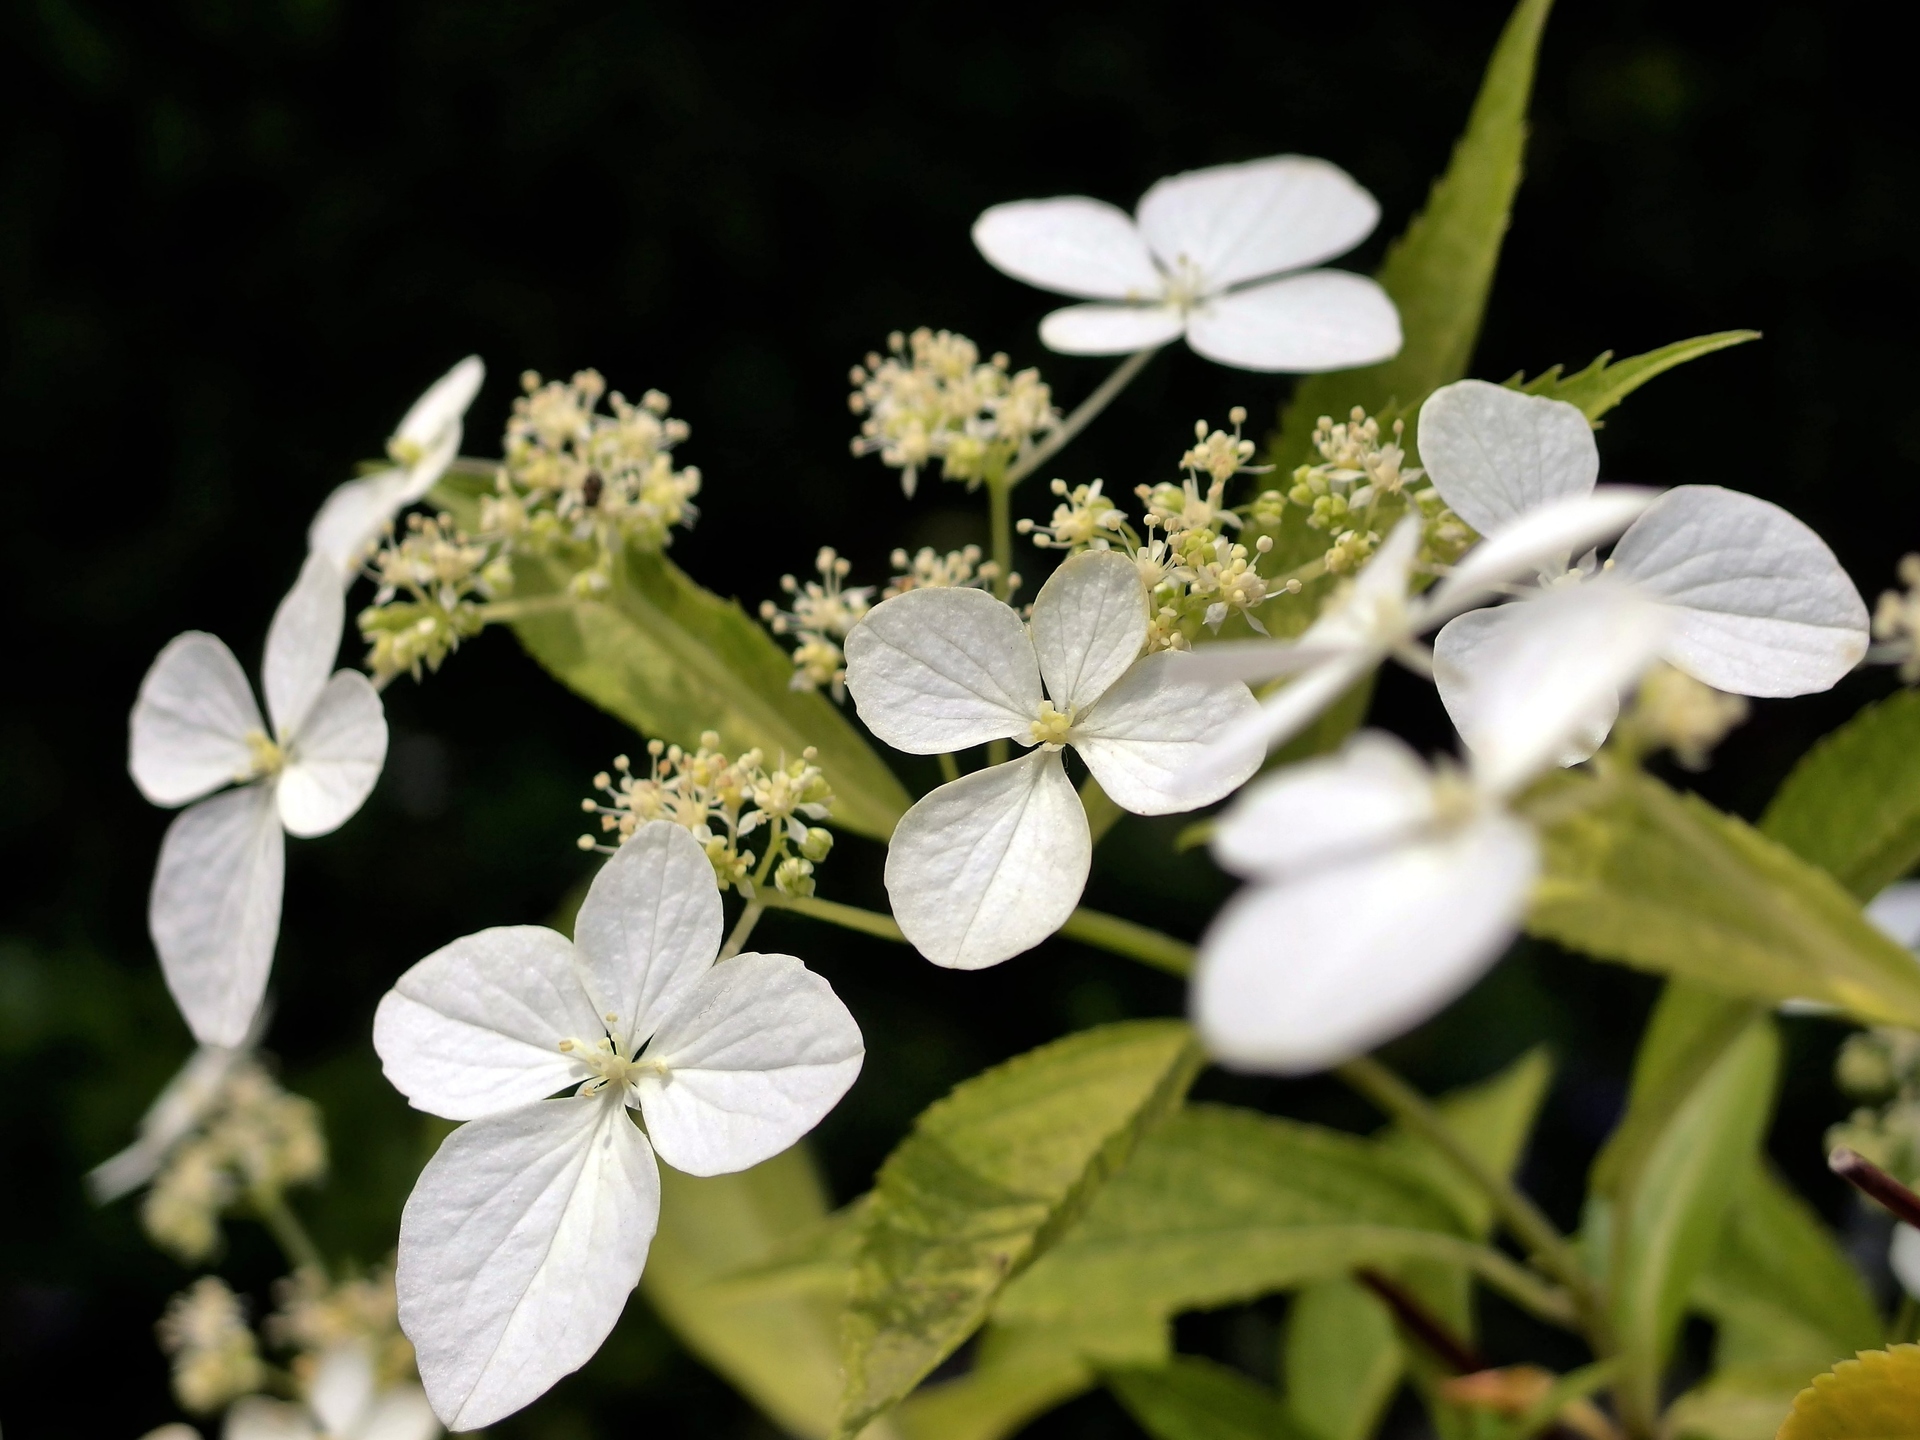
(1758, 604)
(344, 1402)
(1219, 255)
(994, 862)
(215, 908)
(531, 1224)
(351, 519)
(1384, 888)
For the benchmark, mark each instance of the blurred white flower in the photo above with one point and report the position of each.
(343, 1402)
(215, 908)
(992, 863)
(1757, 602)
(530, 1226)
(1220, 255)
(352, 519)
(1382, 887)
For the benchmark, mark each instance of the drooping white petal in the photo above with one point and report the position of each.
(302, 642)
(341, 1392)
(1089, 624)
(1903, 1256)
(1761, 606)
(1145, 737)
(1097, 329)
(257, 1418)
(647, 931)
(1259, 217)
(1374, 793)
(336, 757)
(401, 1413)
(1304, 973)
(175, 1111)
(439, 412)
(518, 1247)
(188, 732)
(350, 520)
(756, 1056)
(1459, 653)
(1298, 325)
(215, 909)
(1538, 542)
(475, 1028)
(1896, 910)
(1071, 245)
(937, 670)
(990, 864)
(1494, 453)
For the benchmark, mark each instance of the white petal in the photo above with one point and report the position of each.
(647, 931)
(1460, 652)
(302, 642)
(1538, 542)
(518, 1247)
(1761, 606)
(401, 1413)
(175, 1111)
(1260, 217)
(937, 670)
(351, 520)
(1494, 453)
(1896, 910)
(257, 1418)
(1375, 792)
(1904, 1258)
(990, 864)
(336, 757)
(475, 1028)
(1145, 737)
(1302, 974)
(1300, 324)
(1071, 245)
(187, 734)
(1089, 624)
(756, 1056)
(1282, 715)
(215, 909)
(341, 1392)
(1110, 329)
(441, 409)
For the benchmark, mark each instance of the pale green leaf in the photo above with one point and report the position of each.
(1341, 1360)
(1874, 1397)
(1021, 1372)
(1638, 874)
(986, 1181)
(1852, 804)
(1194, 1399)
(1606, 382)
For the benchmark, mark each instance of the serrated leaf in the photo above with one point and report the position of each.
(1874, 1397)
(986, 1181)
(1441, 268)
(1195, 1399)
(1638, 874)
(1341, 1360)
(1606, 381)
(1852, 804)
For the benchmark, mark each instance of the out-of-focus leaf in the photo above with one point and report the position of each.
(1194, 1399)
(987, 1180)
(1661, 881)
(1606, 382)
(1020, 1372)
(1341, 1360)
(1874, 1397)
(1852, 804)
(1440, 269)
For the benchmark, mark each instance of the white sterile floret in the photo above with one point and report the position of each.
(215, 908)
(354, 516)
(1221, 256)
(344, 1401)
(992, 863)
(530, 1225)
(1758, 604)
(1382, 888)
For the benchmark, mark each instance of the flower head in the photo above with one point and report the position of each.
(215, 1359)
(343, 1400)
(1220, 256)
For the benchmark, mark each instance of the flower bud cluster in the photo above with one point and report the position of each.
(932, 398)
(317, 1315)
(822, 615)
(723, 802)
(1882, 1067)
(1343, 494)
(1896, 622)
(215, 1358)
(443, 576)
(1673, 711)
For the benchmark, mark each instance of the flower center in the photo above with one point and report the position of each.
(610, 1068)
(1052, 726)
(1455, 800)
(265, 758)
(1185, 286)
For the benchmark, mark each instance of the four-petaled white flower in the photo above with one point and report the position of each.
(531, 1224)
(1383, 888)
(344, 1402)
(351, 519)
(1758, 604)
(215, 908)
(992, 863)
(1220, 255)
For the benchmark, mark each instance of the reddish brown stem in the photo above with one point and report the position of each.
(1870, 1180)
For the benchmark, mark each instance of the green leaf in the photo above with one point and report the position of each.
(1341, 1359)
(986, 1181)
(674, 660)
(1876, 1397)
(1441, 268)
(1635, 873)
(1194, 1399)
(1021, 1372)
(1852, 804)
(1606, 382)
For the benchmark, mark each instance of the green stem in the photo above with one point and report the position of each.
(505, 612)
(287, 1231)
(949, 768)
(742, 929)
(1082, 416)
(1136, 942)
(1102, 813)
(1000, 528)
(847, 917)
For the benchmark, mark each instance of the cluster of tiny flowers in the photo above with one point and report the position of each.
(256, 1140)
(1881, 1066)
(1896, 622)
(1343, 494)
(932, 398)
(928, 569)
(722, 802)
(316, 1316)
(443, 576)
(1673, 711)
(215, 1358)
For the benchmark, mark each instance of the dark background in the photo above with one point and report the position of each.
(237, 239)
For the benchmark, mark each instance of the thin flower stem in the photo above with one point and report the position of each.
(1871, 1180)
(847, 917)
(949, 768)
(1082, 416)
(1102, 812)
(505, 612)
(287, 1231)
(1000, 526)
(742, 929)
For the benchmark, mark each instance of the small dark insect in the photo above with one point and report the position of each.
(590, 489)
